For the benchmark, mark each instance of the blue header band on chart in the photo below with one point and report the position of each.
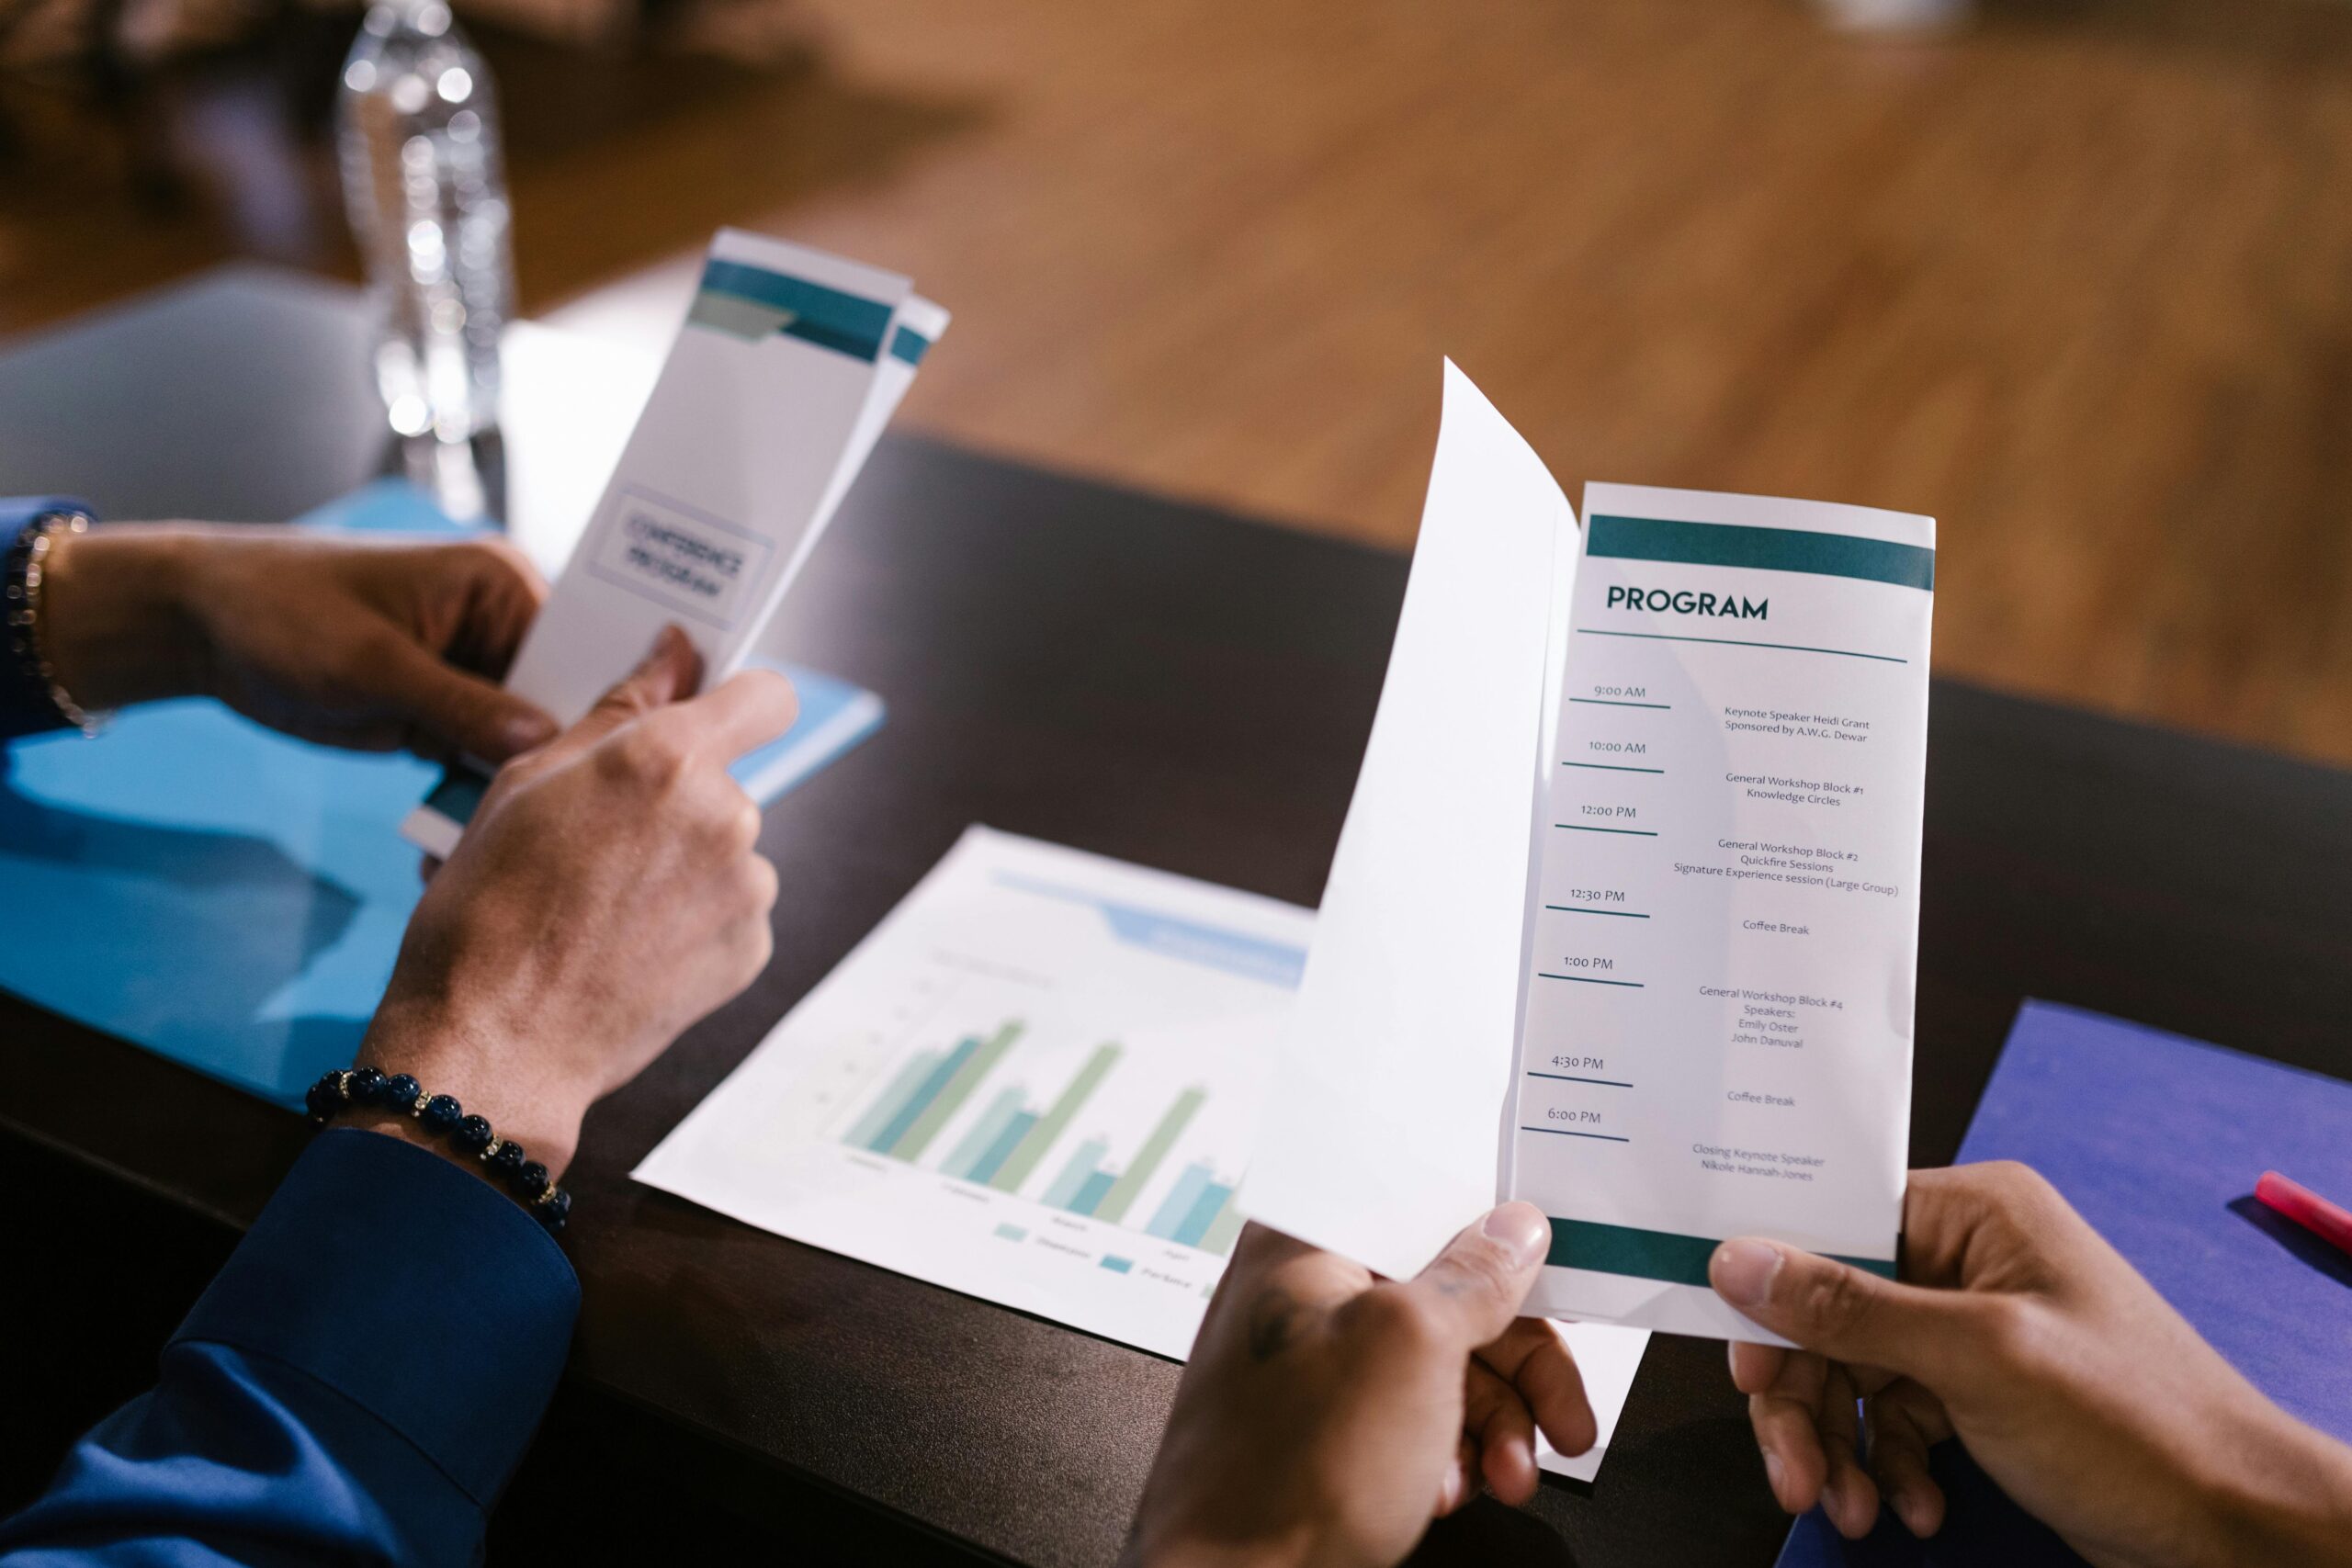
(811, 311)
(1772, 549)
(1236, 952)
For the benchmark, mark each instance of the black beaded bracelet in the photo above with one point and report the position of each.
(443, 1118)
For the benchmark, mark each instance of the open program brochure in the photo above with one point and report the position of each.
(1623, 920)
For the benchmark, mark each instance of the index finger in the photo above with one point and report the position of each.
(742, 713)
(1533, 1359)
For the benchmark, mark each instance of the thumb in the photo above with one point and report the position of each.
(1476, 1285)
(669, 671)
(1845, 1313)
(471, 715)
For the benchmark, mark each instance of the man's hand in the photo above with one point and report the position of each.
(606, 895)
(2075, 1385)
(1327, 1417)
(368, 644)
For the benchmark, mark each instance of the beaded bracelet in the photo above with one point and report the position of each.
(442, 1117)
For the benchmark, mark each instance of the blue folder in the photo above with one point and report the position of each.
(2157, 1140)
(232, 898)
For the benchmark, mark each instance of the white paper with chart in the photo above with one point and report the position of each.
(1038, 1081)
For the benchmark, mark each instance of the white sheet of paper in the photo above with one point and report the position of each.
(1606, 1357)
(1080, 1167)
(1382, 1136)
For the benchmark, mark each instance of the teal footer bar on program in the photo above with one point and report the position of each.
(1649, 1255)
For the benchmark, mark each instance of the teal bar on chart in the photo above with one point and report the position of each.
(925, 1093)
(902, 1088)
(1073, 1177)
(1008, 1138)
(1118, 1265)
(1089, 1194)
(1170, 1217)
(1205, 1209)
(975, 1143)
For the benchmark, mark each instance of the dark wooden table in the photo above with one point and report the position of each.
(1146, 680)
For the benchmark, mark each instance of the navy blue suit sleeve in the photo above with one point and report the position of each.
(357, 1386)
(24, 710)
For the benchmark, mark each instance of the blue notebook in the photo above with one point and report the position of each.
(2157, 1140)
(233, 899)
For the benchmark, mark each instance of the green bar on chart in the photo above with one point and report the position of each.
(1074, 1174)
(1222, 1229)
(951, 1094)
(1052, 1125)
(1122, 1192)
(902, 1088)
(977, 1143)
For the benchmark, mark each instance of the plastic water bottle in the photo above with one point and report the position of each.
(427, 195)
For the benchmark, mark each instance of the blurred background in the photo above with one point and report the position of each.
(2073, 276)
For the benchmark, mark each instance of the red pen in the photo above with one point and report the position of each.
(2306, 1208)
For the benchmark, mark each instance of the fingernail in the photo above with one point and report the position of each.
(1773, 1473)
(1829, 1499)
(1742, 1272)
(1525, 1234)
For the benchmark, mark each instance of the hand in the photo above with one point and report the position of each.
(605, 896)
(366, 644)
(2073, 1384)
(1327, 1417)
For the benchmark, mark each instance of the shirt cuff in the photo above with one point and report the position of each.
(416, 1289)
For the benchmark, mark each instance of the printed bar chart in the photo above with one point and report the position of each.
(1002, 1146)
(1036, 1082)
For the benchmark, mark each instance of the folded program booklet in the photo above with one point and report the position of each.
(1623, 920)
(787, 367)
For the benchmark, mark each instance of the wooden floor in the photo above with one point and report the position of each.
(2080, 282)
